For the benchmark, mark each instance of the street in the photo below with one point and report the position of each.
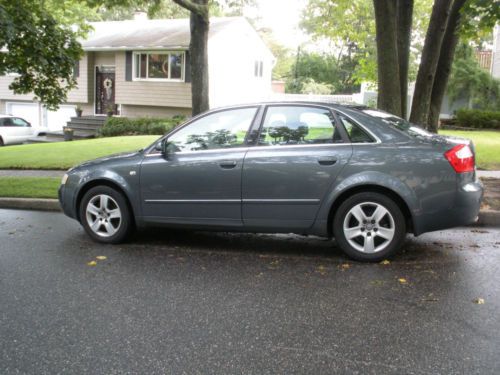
(171, 302)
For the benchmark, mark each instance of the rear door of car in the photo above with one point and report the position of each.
(294, 162)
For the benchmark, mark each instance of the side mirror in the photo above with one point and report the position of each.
(165, 147)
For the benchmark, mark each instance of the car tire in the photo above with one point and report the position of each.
(1, 142)
(105, 215)
(369, 227)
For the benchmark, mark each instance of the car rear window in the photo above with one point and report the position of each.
(398, 123)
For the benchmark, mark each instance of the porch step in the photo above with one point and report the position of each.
(86, 126)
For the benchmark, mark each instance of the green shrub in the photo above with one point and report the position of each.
(478, 119)
(116, 126)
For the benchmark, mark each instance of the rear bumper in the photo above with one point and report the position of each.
(465, 210)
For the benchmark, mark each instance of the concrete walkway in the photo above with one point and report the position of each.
(31, 173)
(488, 174)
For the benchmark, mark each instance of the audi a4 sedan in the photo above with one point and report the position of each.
(359, 175)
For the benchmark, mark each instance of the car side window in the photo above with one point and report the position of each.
(224, 129)
(355, 133)
(7, 121)
(294, 125)
(19, 122)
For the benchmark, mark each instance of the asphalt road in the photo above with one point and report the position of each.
(173, 302)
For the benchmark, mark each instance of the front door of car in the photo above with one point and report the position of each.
(299, 154)
(199, 180)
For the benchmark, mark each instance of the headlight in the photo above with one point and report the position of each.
(64, 179)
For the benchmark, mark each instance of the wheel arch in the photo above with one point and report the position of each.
(374, 188)
(102, 182)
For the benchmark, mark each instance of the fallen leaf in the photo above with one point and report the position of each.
(321, 269)
(385, 262)
(92, 263)
(274, 263)
(479, 231)
(402, 280)
(345, 266)
(474, 245)
(479, 301)
(101, 257)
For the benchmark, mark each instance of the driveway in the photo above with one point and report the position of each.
(172, 302)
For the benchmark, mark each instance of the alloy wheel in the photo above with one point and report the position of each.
(103, 215)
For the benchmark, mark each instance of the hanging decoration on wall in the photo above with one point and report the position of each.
(108, 85)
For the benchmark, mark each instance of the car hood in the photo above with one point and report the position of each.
(110, 159)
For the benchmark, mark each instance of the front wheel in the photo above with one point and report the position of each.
(105, 215)
(369, 227)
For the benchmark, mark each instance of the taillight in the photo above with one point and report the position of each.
(461, 158)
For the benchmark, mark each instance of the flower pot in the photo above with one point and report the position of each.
(68, 134)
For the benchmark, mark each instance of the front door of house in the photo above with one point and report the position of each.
(105, 90)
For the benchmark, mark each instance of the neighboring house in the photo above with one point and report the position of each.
(141, 68)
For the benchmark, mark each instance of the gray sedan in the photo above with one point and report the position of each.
(362, 176)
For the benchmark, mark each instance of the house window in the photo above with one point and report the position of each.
(258, 68)
(159, 66)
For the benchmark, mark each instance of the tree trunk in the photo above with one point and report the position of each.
(198, 48)
(404, 17)
(389, 92)
(428, 64)
(450, 41)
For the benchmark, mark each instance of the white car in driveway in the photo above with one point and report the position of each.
(15, 130)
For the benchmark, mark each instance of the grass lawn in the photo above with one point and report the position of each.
(64, 155)
(487, 145)
(29, 187)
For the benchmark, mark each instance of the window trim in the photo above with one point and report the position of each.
(156, 52)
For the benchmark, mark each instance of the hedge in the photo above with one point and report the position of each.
(478, 119)
(117, 126)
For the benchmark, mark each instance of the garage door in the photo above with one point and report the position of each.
(28, 111)
(55, 120)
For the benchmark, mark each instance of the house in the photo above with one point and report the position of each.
(495, 65)
(141, 67)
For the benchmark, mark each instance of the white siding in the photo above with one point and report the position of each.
(495, 68)
(232, 53)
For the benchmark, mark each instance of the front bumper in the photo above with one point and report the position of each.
(465, 210)
(65, 202)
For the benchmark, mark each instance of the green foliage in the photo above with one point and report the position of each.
(478, 119)
(323, 74)
(350, 26)
(118, 126)
(480, 18)
(40, 50)
(469, 81)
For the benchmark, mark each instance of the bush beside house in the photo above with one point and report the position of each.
(477, 119)
(118, 126)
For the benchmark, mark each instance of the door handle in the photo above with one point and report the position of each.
(327, 160)
(228, 164)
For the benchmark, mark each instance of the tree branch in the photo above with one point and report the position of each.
(198, 9)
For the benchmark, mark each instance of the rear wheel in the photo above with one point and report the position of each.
(1, 142)
(105, 215)
(369, 227)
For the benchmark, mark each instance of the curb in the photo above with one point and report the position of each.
(489, 218)
(30, 204)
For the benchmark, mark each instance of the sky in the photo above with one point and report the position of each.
(283, 17)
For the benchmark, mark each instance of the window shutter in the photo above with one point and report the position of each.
(187, 71)
(128, 65)
(76, 70)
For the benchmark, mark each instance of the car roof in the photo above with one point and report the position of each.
(353, 106)
(5, 116)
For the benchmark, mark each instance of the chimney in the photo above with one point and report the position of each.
(140, 16)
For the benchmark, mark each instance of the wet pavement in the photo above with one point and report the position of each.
(171, 302)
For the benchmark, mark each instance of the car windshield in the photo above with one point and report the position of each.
(398, 123)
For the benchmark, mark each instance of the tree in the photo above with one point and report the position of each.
(40, 49)
(198, 48)
(430, 57)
